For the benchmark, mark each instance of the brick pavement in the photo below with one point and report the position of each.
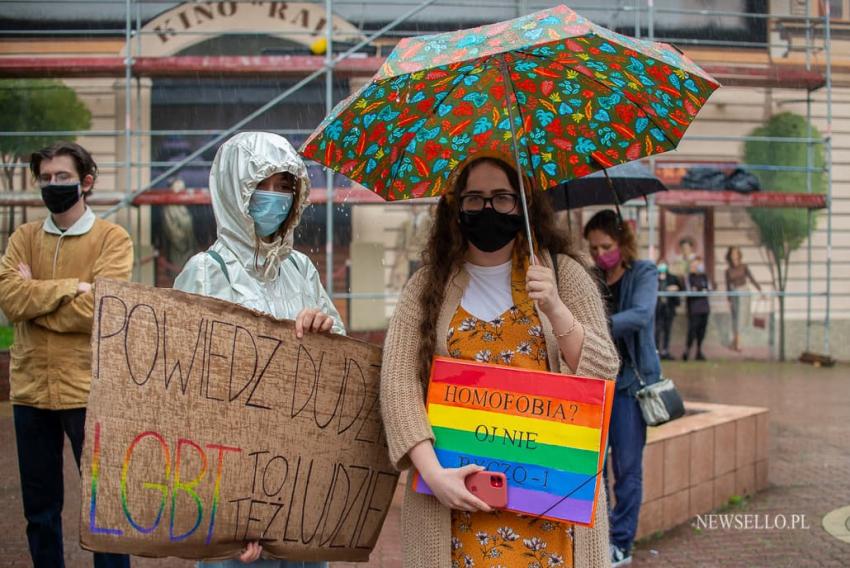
(809, 475)
(809, 467)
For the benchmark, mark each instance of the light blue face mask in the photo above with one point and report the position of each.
(269, 209)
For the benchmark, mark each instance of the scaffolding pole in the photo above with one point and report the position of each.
(650, 210)
(828, 151)
(128, 201)
(139, 153)
(809, 160)
(329, 173)
(130, 68)
(128, 108)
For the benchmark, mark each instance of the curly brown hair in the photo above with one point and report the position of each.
(446, 248)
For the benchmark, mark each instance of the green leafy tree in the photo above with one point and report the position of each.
(36, 105)
(782, 231)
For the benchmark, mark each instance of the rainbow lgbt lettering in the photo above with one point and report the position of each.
(546, 431)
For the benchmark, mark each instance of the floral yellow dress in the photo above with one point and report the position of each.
(503, 539)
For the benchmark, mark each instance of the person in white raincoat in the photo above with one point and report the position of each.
(259, 188)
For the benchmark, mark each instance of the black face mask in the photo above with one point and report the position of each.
(59, 198)
(489, 230)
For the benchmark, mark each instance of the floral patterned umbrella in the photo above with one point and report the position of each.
(564, 96)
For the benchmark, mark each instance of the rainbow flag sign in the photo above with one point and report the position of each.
(546, 432)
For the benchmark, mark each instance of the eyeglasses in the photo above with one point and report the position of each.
(57, 178)
(501, 202)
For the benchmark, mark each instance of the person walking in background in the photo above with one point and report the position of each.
(699, 308)
(46, 279)
(412, 233)
(259, 188)
(665, 310)
(687, 252)
(632, 287)
(737, 275)
(478, 297)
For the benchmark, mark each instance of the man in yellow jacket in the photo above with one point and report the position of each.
(46, 279)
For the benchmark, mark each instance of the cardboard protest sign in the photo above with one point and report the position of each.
(210, 425)
(546, 431)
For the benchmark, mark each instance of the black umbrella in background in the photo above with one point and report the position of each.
(629, 181)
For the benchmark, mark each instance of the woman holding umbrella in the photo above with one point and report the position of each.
(477, 298)
(632, 287)
(567, 97)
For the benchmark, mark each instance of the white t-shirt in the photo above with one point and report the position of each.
(489, 292)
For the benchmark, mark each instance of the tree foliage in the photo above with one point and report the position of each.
(36, 105)
(784, 230)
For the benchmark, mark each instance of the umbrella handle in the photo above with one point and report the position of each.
(509, 90)
(614, 194)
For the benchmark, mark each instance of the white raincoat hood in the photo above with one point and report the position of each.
(283, 281)
(239, 166)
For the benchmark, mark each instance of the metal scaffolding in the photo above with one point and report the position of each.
(134, 66)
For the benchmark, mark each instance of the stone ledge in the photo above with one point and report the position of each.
(693, 465)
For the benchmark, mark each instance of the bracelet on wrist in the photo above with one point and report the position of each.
(571, 329)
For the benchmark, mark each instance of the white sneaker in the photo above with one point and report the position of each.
(620, 556)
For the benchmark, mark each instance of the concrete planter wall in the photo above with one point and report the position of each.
(696, 463)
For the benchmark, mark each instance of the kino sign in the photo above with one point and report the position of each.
(194, 22)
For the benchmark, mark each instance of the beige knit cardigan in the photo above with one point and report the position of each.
(426, 523)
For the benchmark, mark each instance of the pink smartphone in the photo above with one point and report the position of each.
(489, 486)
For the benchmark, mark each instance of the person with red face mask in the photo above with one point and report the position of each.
(632, 294)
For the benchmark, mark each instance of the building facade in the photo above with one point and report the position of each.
(163, 80)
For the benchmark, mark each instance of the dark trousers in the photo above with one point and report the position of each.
(626, 439)
(697, 324)
(40, 436)
(663, 327)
